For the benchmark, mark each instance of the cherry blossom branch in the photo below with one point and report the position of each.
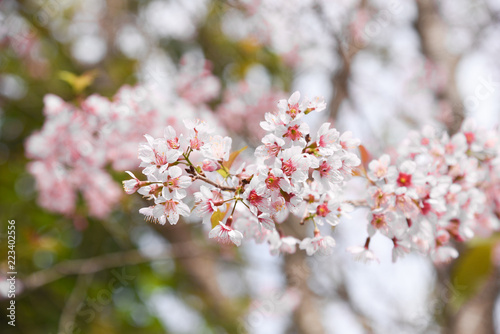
(303, 175)
(198, 176)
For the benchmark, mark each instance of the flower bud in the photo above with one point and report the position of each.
(210, 166)
(131, 186)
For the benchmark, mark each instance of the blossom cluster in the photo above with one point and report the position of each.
(244, 106)
(439, 190)
(79, 143)
(436, 191)
(291, 173)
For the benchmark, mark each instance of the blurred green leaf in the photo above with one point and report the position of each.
(78, 83)
(472, 269)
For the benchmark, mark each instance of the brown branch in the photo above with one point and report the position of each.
(307, 316)
(204, 179)
(70, 310)
(202, 273)
(476, 316)
(432, 32)
(340, 79)
(343, 293)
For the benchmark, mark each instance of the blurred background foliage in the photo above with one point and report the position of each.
(37, 59)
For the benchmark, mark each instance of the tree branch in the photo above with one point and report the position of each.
(99, 263)
(432, 32)
(202, 273)
(340, 78)
(70, 310)
(307, 316)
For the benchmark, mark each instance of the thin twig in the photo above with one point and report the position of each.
(358, 202)
(204, 179)
(99, 263)
(70, 310)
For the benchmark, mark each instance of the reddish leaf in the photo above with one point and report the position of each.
(366, 157)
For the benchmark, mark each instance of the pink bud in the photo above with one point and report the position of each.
(210, 166)
(131, 186)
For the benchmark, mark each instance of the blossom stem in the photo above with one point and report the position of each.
(186, 156)
(234, 207)
(315, 226)
(317, 232)
(245, 204)
(227, 200)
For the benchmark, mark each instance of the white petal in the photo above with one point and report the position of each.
(214, 232)
(173, 217)
(174, 172)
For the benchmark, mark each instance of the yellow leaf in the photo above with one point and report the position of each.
(250, 45)
(217, 216)
(233, 157)
(223, 173)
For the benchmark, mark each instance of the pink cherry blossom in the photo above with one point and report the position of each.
(225, 234)
(168, 208)
(320, 243)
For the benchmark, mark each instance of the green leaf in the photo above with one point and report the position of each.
(78, 83)
(471, 270)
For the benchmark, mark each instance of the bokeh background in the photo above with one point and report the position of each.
(385, 67)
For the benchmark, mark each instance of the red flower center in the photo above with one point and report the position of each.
(293, 133)
(404, 180)
(378, 221)
(324, 169)
(161, 158)
(272, 182)
(195, 143)
(273, 149)
(288, 167)
(254, 198)
(172, 183)
(293, 110)
(173, 143)
(470, 136)
(322, 210)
